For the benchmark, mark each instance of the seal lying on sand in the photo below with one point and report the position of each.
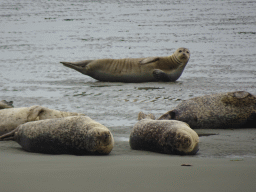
(5, 104)
(13, 117)
(165, 136)
(134, 70)
(79, 135)
(218, 111)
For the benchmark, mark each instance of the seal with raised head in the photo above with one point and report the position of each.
(79, 135)
(134, 70)
(6, 104)
(217, 111)
(13, 117)
(163, 136)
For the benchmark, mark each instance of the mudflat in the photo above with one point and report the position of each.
(36, 36)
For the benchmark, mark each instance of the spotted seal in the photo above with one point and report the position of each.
(163, 136)
(216, 111)
(79, 135)
(134, 70)
(13, 117)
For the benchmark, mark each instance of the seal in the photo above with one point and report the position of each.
(164, 136)
(46, 113)
(134, 70)
(13, 117)
(217, 111)
(5, 104)
(79, 135)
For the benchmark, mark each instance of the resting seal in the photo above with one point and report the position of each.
(134, 70)
(5, 104)
(13, 117)
(79, 135)
(217, 111)
(164, 136)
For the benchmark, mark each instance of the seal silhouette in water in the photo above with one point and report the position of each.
(163, 136)
(134, 70)
(217, 111)
(79, 135)
(5, 104)
(13, 117)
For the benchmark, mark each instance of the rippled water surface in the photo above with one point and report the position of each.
(221, 35)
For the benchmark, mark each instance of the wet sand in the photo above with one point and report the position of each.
(36, 36)
(30, 172)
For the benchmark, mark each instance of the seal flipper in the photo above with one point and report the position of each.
(79, 66)
(160, 75)
(251, 121)
(33, 113)
(5, 104)
(9, 136)
(142, 115)
(170, 115)
(149, 60)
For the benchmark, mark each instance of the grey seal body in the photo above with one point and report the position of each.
(11, 118)
(134, 70)
(217, 111)
(164, 136)
(6, 104)
(79, 135)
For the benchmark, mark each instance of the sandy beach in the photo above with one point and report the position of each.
(130, 170)
(37, 35)
(33, 172)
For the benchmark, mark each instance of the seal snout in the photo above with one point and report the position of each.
(105, 136)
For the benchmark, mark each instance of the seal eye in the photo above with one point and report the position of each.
(180, 51)
(187, 51)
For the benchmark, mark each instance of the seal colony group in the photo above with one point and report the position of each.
(39, 129)
(134, 70)
(43, 130)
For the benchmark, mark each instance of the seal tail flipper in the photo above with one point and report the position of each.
(5, 104)
(8, 136)
(142, 115)
(79, 66)
(168, 116)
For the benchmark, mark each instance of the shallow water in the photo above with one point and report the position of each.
(36, 35)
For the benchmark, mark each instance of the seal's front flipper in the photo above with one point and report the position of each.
(79, 66)
(160, 75)
(5, 104)
(149, 60)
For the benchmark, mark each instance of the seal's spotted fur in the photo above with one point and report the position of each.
(218, 111)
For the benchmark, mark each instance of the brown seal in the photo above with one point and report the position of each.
(217, 111)
(79, 135)
(13, 117)
(6, 104)
(163, 136)
(134, 70)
